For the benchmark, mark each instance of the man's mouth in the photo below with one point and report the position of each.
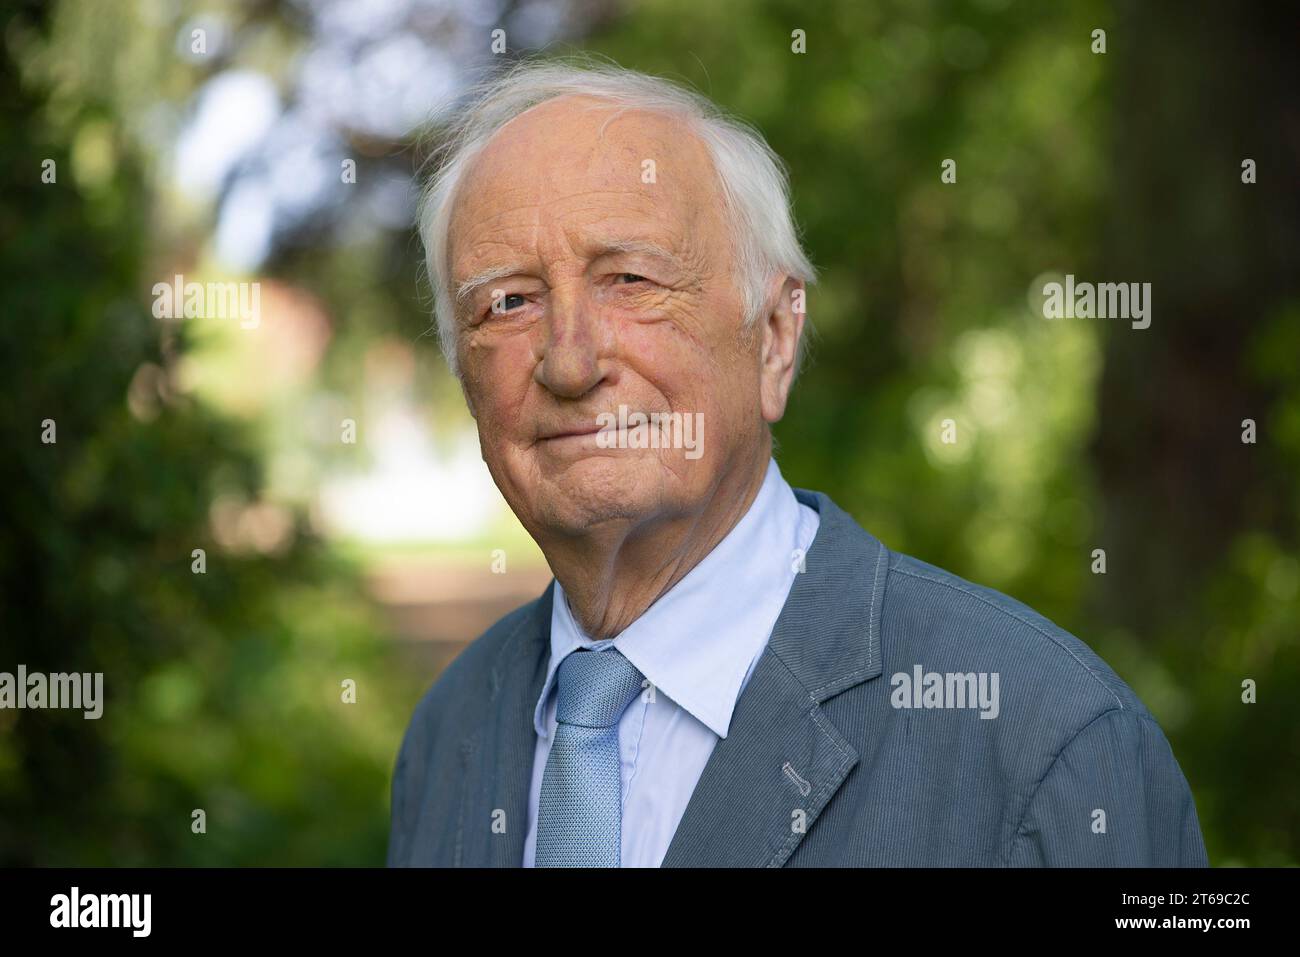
(573, 432)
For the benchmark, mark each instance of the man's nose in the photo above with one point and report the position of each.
(572, 345)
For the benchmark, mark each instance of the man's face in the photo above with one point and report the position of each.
(613, 287)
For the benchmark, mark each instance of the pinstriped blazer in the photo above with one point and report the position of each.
(873, 732)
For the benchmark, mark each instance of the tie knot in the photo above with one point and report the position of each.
(595, 687)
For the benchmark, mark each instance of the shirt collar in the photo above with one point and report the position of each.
(697, 642)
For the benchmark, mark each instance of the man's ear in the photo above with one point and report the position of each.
(782, 329)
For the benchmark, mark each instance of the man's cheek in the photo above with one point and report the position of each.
(671, 361)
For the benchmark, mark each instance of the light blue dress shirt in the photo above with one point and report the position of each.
(696, 646)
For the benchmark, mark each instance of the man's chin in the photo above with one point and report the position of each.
(607, 486)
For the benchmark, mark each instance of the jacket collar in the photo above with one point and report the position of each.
(765, 784)
(828, 634)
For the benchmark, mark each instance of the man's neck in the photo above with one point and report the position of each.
(612, 576)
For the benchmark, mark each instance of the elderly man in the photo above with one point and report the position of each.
(725, 670)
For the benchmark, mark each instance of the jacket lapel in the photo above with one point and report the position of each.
(497, 759)
(766, 783)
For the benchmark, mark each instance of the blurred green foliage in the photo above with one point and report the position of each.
(1074, 435)
(223, 689)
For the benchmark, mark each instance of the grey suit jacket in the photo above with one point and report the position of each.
(824, 765)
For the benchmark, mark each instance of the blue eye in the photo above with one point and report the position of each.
(504, 304)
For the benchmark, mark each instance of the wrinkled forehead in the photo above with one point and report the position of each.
(579, 157)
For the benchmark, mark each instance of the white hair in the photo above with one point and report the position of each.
(751, 176)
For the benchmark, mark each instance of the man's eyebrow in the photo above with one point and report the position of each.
(467, 288)
(636, 246)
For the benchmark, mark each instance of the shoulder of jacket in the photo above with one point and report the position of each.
(1009, 630)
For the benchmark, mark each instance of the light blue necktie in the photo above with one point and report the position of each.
(580, 813)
